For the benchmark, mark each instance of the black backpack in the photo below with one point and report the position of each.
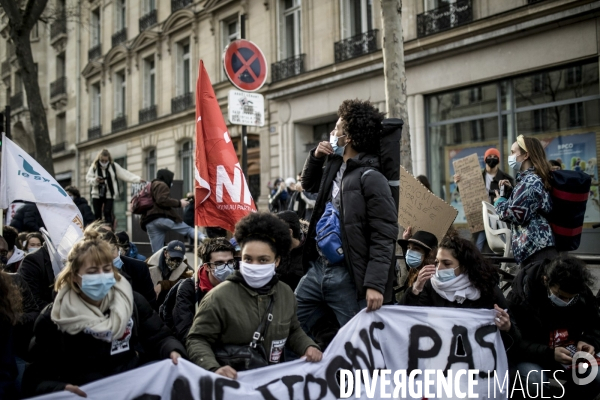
(570, 192)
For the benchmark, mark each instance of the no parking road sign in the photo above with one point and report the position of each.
(245, 65)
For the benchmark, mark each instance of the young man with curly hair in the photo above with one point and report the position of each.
(345, 173)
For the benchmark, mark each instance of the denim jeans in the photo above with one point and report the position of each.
(326, 285)
(158, 228)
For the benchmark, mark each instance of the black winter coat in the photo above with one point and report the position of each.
(290, 269)
(537, 316)
(36, 270)
(368, 216)
(60, 358)
(30, 311)
(85, 210)
(500, 175)
(138, 275)
(179, 307)
(27, 219)
(8, 365)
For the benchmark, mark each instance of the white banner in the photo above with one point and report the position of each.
(440, 342)
(23, 178)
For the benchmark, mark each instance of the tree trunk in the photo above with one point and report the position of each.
(21, 21)
(395, 73)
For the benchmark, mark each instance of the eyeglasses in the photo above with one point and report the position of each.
(222, 264)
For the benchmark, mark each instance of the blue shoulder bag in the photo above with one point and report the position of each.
(329, 235)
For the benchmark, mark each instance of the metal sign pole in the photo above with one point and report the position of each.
(245, 151)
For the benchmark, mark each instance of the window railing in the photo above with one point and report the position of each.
(444, 18)
(179, 4)
(58, 147)
(58, 26)
(182, 103)
(5, 67)
(287, 68)
(148, 20)
(95, 51)
(119, 37)
(147, 114)
(58, 87)
(16, 101)
(356, 46)
(119, 124)
(95, 132)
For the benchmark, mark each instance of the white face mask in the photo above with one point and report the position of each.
(257, 275)
(32, 249)
(104, 164)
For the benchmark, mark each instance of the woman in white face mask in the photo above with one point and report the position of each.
(231, 313)
(33, 242)
(528, 202)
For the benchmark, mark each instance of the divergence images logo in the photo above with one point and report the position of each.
(584, 364)
(29, 172)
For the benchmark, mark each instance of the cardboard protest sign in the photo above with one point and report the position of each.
(421, 209)
(472, 190)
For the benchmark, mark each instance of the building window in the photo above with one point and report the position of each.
(184, 81)
(149, 82)
(186, 155)
(357, 17)
(61, 129)
(540, 118)
(539, 83)
(149, 5)
(96, 105)
(95, 28)
(574, 75)
(290, 22)
(121, 6)
(475, 95)
(231, 31)
(575, 115)
(150, 164)
(35, 32)
(120, 90)
(18, 83)
(61, 66)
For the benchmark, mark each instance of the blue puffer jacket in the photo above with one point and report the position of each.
(531, 231)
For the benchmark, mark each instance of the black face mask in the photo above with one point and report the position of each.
(492, 161)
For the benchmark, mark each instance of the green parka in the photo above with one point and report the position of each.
(231, 312)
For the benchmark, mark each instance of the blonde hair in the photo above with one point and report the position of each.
(92, 247)
(105, 153)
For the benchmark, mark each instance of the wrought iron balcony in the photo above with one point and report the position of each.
(147, 114)
(287, 68)
(179, 4)
(58, 147)
(58, 87)
(119, 123)
(16, 101)
(444, 18)
(148, 20)
(94, 132)
(183, 102)
(356, 46)
(95, 51)
(59, 26)
(5, 67)
(119, 37)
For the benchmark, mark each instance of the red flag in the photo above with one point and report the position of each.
(221, 191)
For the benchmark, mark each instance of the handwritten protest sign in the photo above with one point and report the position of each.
(472, 190)
(422, 210)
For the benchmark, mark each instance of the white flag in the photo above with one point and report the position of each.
(24, 179)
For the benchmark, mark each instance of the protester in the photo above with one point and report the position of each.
(419, 249)
(84, 208)
(168, 266)
(21, 240)
(555, 165)
(179, 306)
(10, 307)
(36, 270)
(97, 326)
(302, 202)
(27, 218)
(163, 218)
(33, 242)
(492, 176)
(103, 176)
(15, 255)
(349, 185)
(524, 209)
(128, 249)
(290, 270)
(231, 313)
(278, 199)
(557, 315)
(135, 271)
(424, 181)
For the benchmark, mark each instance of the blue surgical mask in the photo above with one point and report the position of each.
(445, 275)
(117, 262)
(413, 258)
(97, 286)
(513, 163)
(339, 150)
(222, 273)
(560, 302)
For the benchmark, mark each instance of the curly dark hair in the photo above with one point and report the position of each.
(482, 274)
(569, 274)
(10, 234)
(10, 299)
(214, 245)
(267, 228)
(362, 124)
(291, 218)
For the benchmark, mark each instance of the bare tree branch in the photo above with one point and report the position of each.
(33, 11)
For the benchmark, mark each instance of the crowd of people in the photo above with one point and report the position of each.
(286, 280)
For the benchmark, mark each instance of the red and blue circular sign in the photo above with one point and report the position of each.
(245, 65)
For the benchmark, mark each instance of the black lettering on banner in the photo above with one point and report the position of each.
(267, 395)
(460, 335)
(147, 396)
(289, 381)
(331, 373)
(181, 389)
(206, 388)
(220, 385)
(414, 353)
(480, 335)
(321, 382)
